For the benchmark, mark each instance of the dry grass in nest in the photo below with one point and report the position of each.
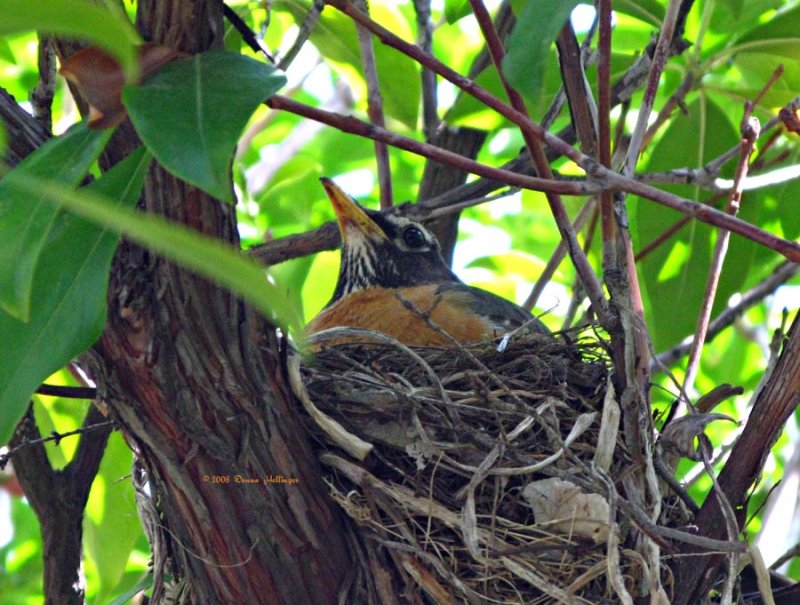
(477, 476)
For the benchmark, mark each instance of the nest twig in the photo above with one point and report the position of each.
(482, 484)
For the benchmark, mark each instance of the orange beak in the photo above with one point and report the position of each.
(353, 220)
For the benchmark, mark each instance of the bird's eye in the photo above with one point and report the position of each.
(414, 237)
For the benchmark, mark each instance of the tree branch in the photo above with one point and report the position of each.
(773, 406)
(58, 498)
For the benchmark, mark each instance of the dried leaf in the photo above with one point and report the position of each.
(678, 437)
(609, 429)
(100, 79)
(568, 509)
(716, 396)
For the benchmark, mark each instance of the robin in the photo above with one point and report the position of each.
(393, 280)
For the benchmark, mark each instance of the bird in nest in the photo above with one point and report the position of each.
(394, 280)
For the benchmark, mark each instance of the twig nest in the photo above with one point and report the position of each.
(481, 484)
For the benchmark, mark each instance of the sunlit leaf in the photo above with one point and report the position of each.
(143, 584)
(6, 54)
(88, 21)
(190, 114)
(200, 253)
(649, 11)
(335, 37)
(456, 9)
(782, 26)
(675, 273)
(111, 524)
(21, 560)
(537, 26)
(26, 219)
(68, 302)
(512, 263)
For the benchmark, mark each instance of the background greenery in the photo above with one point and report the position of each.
(503, 244)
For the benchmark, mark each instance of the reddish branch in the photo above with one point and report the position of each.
(600, 177)
(375, 107)
(773, 406)
(750, 132)
(603, 112)
(359, 127)
(533, 142)
(654, 77)
(607, 178)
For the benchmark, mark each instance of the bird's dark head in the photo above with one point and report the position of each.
(383, 250)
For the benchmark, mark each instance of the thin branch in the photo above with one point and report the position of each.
(533, 142)
(364, 129)
(578, 92)
(750, 129)
(248, 35)
(304, 33)
(663, 47)
(54, 437)
(430, 103)
(374, 106)
(604, 127)
(68, 392)
(779, 276)
(42, 96)
(558, 256)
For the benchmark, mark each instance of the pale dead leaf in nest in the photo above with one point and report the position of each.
(678, 437)
(568, 508)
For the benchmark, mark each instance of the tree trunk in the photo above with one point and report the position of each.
(196, 381)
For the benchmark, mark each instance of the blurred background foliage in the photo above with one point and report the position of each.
(503, 244)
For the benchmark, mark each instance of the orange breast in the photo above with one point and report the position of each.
(383, 310)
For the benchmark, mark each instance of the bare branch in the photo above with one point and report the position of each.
(533, 142)
(306, 27)
(361, 128)
(779, 276)
(659, 60)
(374, 106)
(430, 103)
(774, 404)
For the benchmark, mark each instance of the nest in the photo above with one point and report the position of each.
(477, 475)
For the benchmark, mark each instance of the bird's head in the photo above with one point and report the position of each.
(383, 250)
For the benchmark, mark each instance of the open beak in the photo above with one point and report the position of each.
(353, 220)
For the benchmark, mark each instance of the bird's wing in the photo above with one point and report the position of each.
(501, 314)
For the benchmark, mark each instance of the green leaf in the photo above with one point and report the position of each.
(674, 275)
(204, 255)
(6, 54)
(538, 24)
(110, 30)
(455, 10)
(649, 11)
(68, 302)
(143, 584)
(335, 37)
(26, 219)
(191, 112)
(782, 26)
(111, 525)
(513, 262)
